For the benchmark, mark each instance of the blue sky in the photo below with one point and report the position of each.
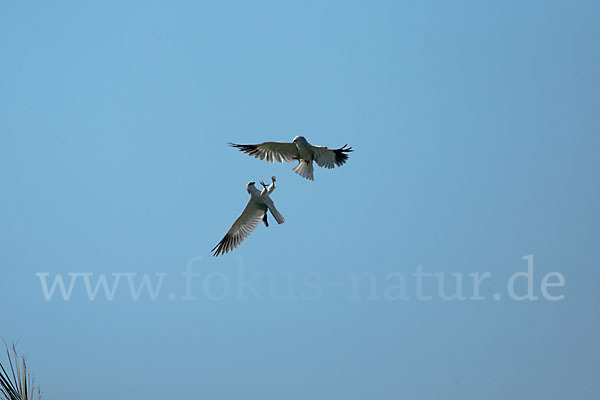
(475, 128)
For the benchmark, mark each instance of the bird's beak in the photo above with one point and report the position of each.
(252, 183)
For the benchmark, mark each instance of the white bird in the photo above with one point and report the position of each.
(300, 150)
(255, 211)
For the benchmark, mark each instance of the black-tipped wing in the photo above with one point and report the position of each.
(271, 151)
(242, 227)
(329, 158)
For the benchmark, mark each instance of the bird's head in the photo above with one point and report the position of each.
(300, 139)
(250, 188)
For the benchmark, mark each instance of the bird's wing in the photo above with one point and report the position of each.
(241, 228)
(329, 158)
(272, 151)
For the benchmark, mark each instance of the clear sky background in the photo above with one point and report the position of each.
(476, 129)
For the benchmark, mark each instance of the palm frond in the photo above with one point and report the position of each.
(19, 385)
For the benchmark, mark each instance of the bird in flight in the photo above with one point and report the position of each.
(255, 211)
(300, 150)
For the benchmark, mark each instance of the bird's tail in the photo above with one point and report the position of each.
(305, 169)
(276, 214)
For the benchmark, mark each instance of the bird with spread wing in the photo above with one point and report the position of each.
(255, 211)
(299, 150)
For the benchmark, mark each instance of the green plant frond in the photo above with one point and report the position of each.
(18, 385)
